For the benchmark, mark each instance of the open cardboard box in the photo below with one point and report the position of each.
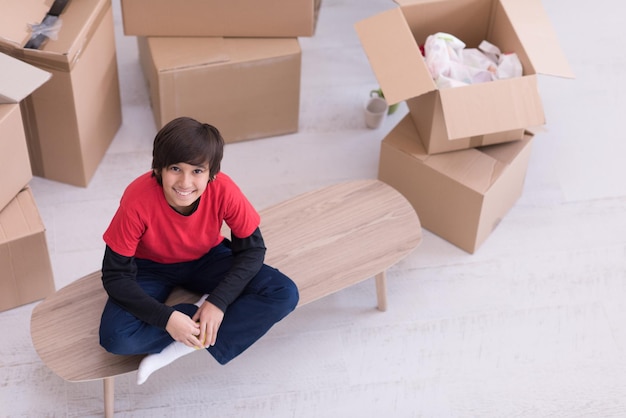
(240, 18)
(246, 87)
(24, 258)
(70, 120)
(439, 144)
(17, 81)
(460, 196)
(392, 40)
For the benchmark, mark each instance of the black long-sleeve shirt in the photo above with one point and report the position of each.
(119, 280)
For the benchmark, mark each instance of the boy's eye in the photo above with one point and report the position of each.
(198, 171)
(174, 168)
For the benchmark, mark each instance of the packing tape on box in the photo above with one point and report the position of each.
(48, 28)
(57, 61)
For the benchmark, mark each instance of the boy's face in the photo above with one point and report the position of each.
(183, 184)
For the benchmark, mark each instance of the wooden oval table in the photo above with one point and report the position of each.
(326, 240)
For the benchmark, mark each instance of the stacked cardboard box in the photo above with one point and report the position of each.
(24, 259)
(72, 119)
(25, 270)
(462, 195)
(233, 18)
(17, 81)
(235, 64)
(461, 154)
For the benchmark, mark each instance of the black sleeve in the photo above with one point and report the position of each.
(119, 280)
(248, 257)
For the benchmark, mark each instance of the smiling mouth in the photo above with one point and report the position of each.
(183, 194)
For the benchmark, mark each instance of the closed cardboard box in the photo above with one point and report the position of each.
(25, 269)
(246, 87)
(240, 18)
(72, 119)
(17, 81)
(460, 196)
(392, 41)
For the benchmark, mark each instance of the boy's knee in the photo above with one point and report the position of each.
(114, 345)
(291, 295)
(116, 341)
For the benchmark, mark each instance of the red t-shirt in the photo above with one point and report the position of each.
(146, 227)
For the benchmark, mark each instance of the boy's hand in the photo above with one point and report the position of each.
(184, 329)
(209, 318)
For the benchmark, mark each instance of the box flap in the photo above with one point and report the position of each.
(20, 218)
(169, 53)
(507, 154)
(470, 167)
(394, 56)
(14, 25)
(536, 33)
(486, 108)
(473, 168)
(404, 137)
(18, 79)
(76, 25)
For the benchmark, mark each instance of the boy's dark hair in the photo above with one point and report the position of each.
(185, 140)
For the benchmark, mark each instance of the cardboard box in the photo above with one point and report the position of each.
(15, 171)
(460, 196)
(71, 120)
(17, 81)
(239, 18)
(25, 268)
(246, 87)
(440, 144)
(392, 42)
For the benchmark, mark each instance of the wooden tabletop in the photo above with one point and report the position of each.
(334, 237)
(325, 240)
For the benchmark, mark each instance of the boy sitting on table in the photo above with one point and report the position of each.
(166, 233)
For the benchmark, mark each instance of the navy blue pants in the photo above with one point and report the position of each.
(267, 299)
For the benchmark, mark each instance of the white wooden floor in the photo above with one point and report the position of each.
(532, 325)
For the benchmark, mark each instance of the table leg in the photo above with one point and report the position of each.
(109, 397)
(381, 290)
